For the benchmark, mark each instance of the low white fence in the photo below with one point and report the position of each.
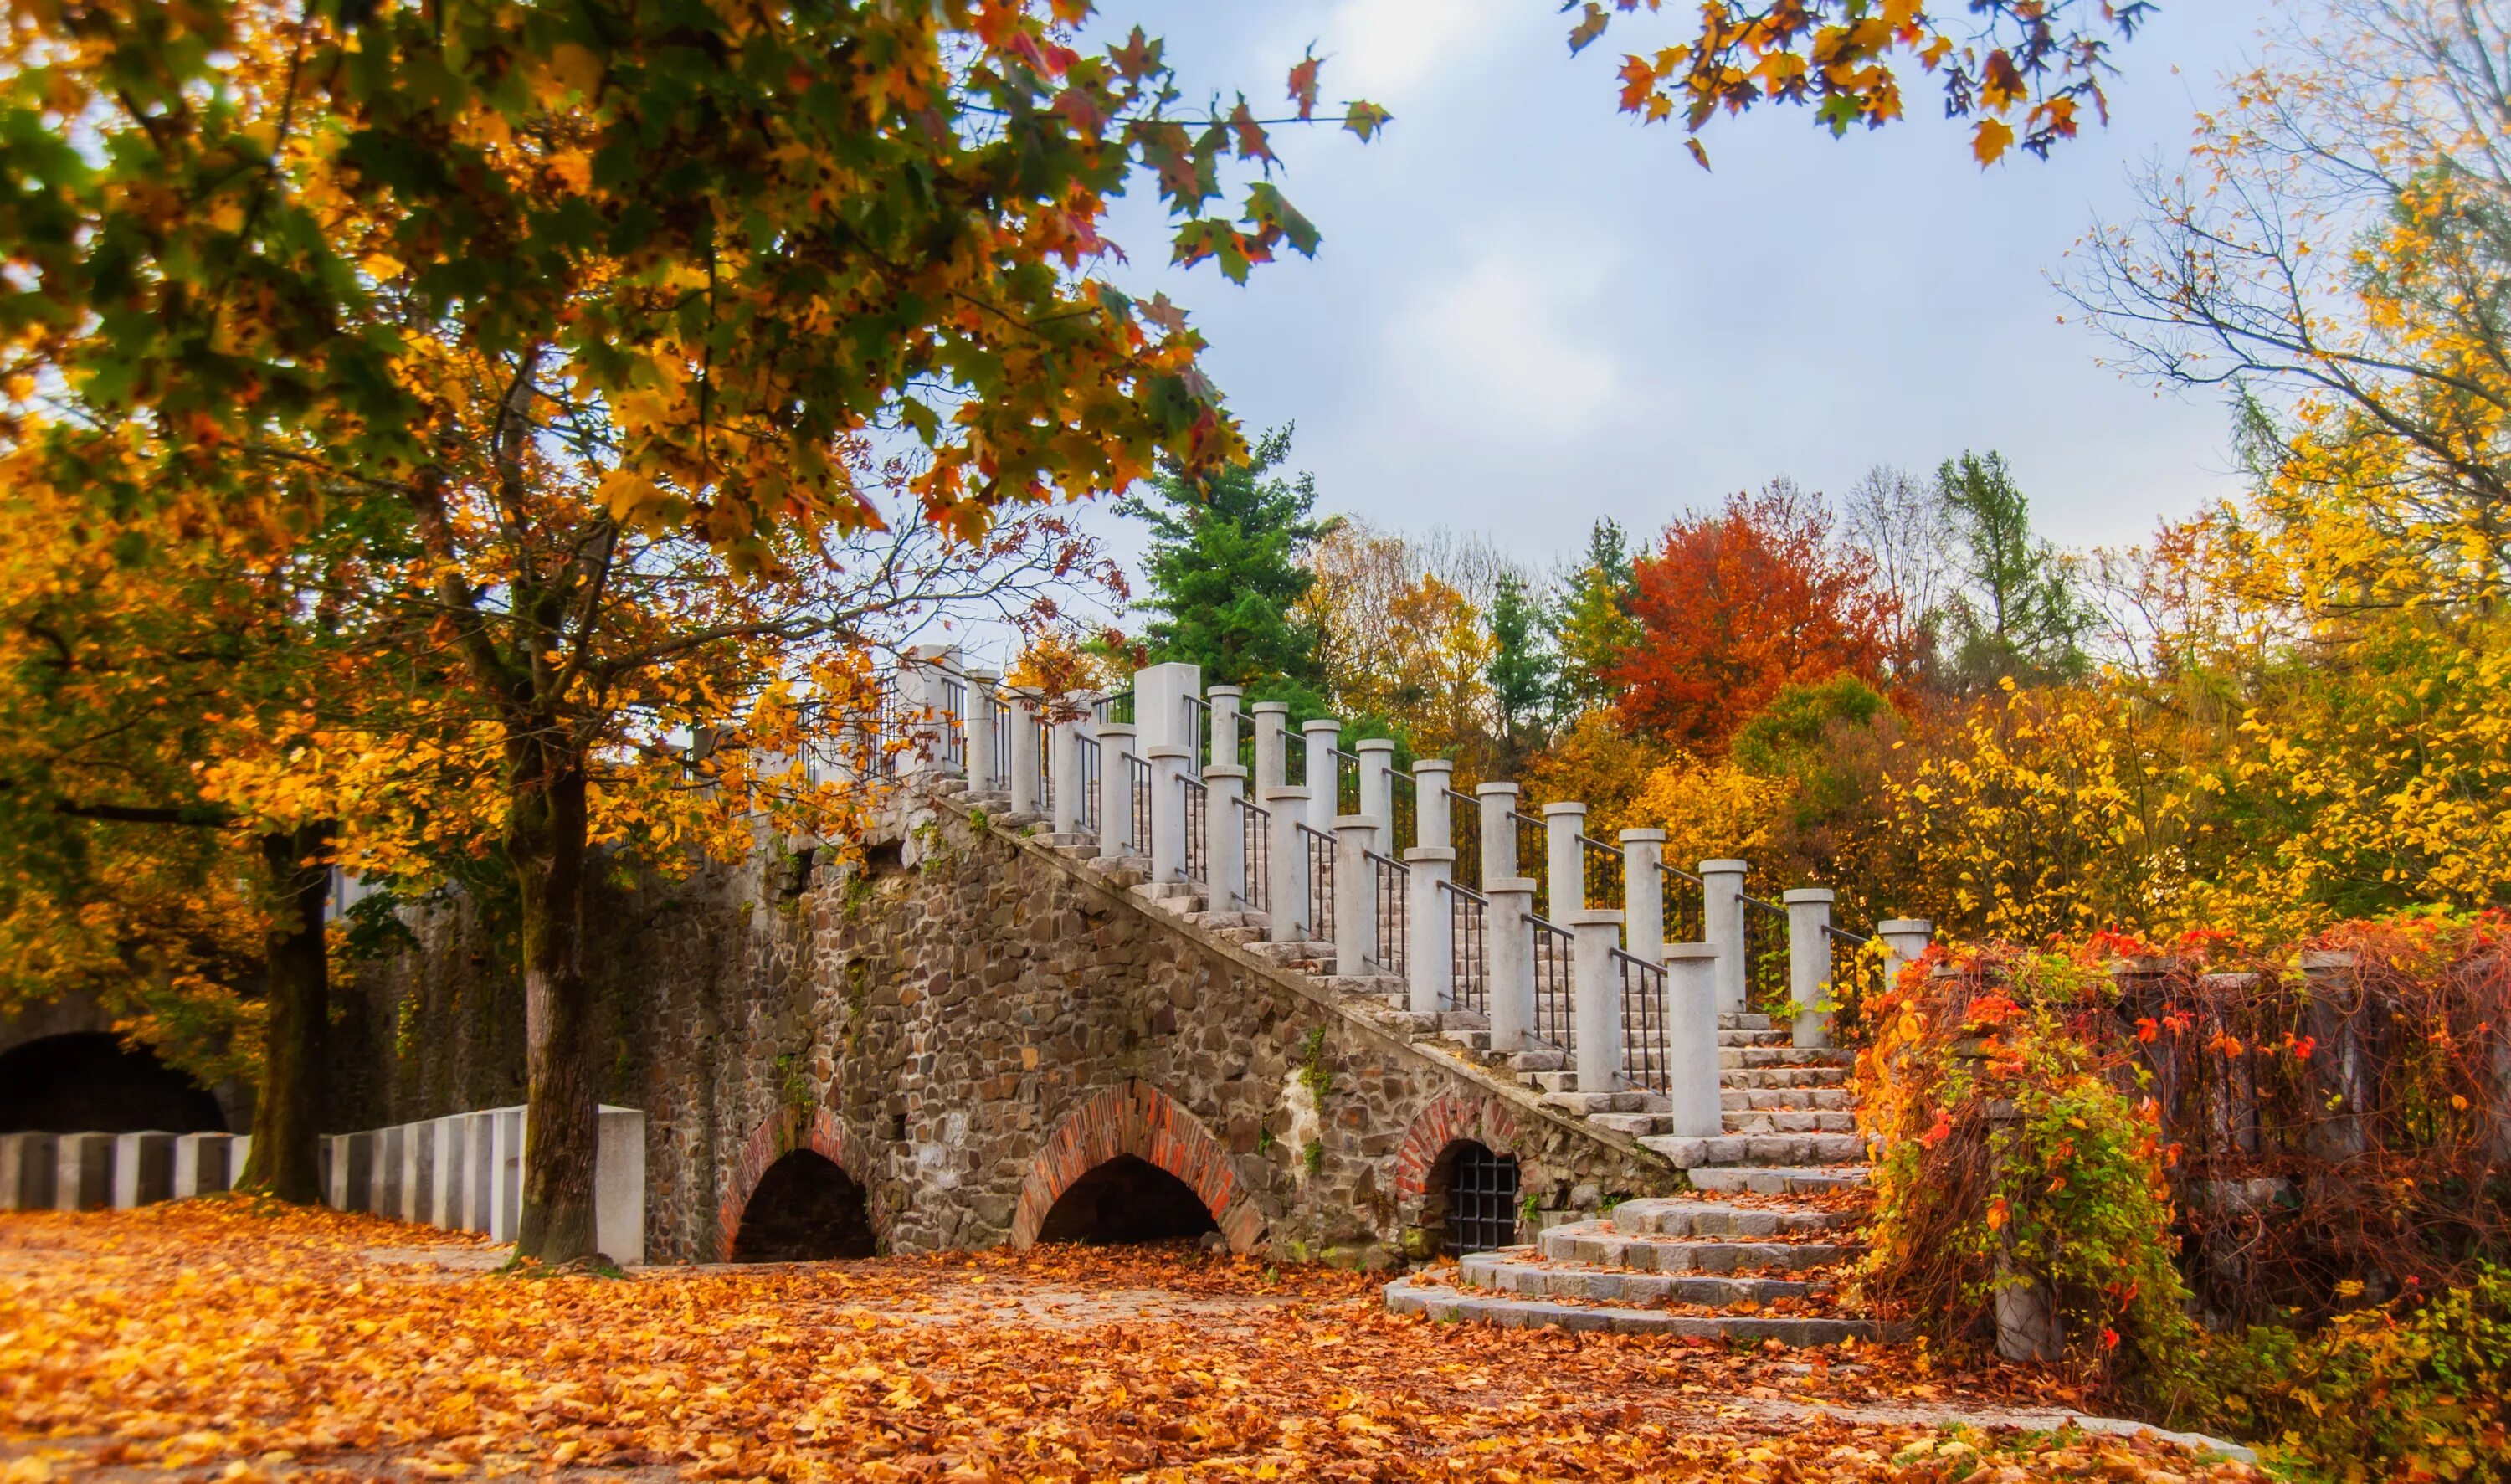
(94, 1172)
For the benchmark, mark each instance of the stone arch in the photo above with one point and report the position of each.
(781, 1133)
(1452, 1120)
(1138, 1119)
(93, 1081)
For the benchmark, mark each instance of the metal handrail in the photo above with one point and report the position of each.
(1555, 984)
(1198, 809)
(1647, 1055)
(1138, 795)
(1088, 754)
(1255, 852)
(1394, 912)
(1321, 881)
(1686, 912)
(1604, 867)
(1198, 732)
(1469, 974)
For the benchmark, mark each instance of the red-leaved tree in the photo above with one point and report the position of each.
(1735, 604)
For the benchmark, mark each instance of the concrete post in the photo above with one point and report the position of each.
(1643, 894)
(83, 1172)
(1272, 747)
(506, 1197)
(1721, 926)
(1225, 701)
(1159, 703)
(1377, 792)
(201, 1166)
(1596, 994)
(30, 1167)
(391, 1146)
(1430, 938)
(1905, 942)
(1168, 765)
(1323, 778)
(444, 1194)
(1692, 1040)
(619, 1185)
(1116, 743)
(926, 711)
(418, 1172)
(479, 1170)
(1071, 808)
(1024, 750)
(1431, 824)
(1494, 803)
(1809, 961)
(1287, 852)
(1355, 896)
(1224, 838)
(1564, 860)
(144, 1169)
(335, 1171)
(1509, 937)
(983, 764)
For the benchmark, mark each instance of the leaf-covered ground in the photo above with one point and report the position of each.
(230, 1343)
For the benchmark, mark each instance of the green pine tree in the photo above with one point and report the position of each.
(2019, 614)
(1521, 670)
(1224, 572)
(1592, 626)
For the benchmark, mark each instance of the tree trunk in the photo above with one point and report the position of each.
(546, 841)
(286, 1159)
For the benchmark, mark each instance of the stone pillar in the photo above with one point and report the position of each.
(1494, 803)
(1643, 894)
(479, 1170)
(1721, 927)
(619, 1185)
(1168, 765)
(1160, 693)
(83, 1172)
(445, 1192)
(1596, 994)
(418, 1172)
(1809, 961)
(1564, 860)
(1377, 792)
(1692, 1040)
(1430, 937)
(1224, 838)
(983, 764)
(1323, 777)
(1225, 701)
(1024, 751)
(1287, 851)
(1116, 743)
(1355, 926)
(1072, 809)
(1272, 747)
(1905, 942)
(201, 1166)
(389, 1149)
(1431, 824)
(30, 1167)
(144, 1169)
(2335, 1073)
(1509, 938)
(506, 1197)
(924, 708)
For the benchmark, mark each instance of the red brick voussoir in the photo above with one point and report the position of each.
(780, 1134)
(1452, 1115)
(1138, 1119)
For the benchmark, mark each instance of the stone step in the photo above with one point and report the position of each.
(1764, 1180)
(1748, 1057)
(1754, 1038)
(1729, 1020)
(1518, 1271)
(1598, 1245)
(1537, 1061)
(1677, 1216)
(1759, 1149)
(1638, 1125)
(1471, 1040)
(1076, 842)
(1834, 1099)
(1417, 1296)
(1784, 1121)
(1762, 1078)
(1587, 1103)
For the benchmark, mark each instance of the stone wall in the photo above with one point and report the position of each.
(966, 1022)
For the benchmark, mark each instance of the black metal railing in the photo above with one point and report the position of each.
(1534, 858)
(1321, 881)
(955, 722)
(1403, 811)
(1602, 873)
(1470, 922)
(1856, 978)
(1555, 984)
(1198, 734)
(999, 720)
(1046, 779)
(1295, 761)
(1244, 750)
(1394, 914)
(1088, 755)
(1646, 1057)
(1118, 708)
(1465, 834)
(1138, 793)
(1346, 782)
(1765, 955)
(1685, 908)
(1255, 853)
(1198, 809)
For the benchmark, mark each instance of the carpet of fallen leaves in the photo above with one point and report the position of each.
(228, 1341)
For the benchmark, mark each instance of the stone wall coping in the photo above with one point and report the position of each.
(1322, 724)
(1430, 853)
(1521, 1100)
(1517, 886)
(1801, 894)
(1689, 951)
(1641, 837)
(1553, 810)
(1596, 916)
(1738, 868)
(1373, 745)
(1496, 789)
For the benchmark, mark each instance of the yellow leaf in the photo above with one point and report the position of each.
(1990, 141)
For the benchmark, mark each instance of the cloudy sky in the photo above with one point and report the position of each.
(1530, 311)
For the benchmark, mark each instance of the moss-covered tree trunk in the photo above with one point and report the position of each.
(546, 842)
(286, 1160)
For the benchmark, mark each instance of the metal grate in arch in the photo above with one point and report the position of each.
(1482, 1200)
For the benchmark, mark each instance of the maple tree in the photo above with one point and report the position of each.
(1731, 606)
(2023, 72)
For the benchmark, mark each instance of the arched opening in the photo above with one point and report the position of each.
(1127, 1199)
(805, 1209)
(1470, 1202)
(91, 1083)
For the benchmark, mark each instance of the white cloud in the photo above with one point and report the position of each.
(1383, 50)
(1504, 347)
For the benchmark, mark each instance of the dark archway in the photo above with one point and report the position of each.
(804, 1210)
(1470, 1201)
(1127, 1199)
(91, 1083)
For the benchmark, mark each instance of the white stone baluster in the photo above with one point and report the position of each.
(1272, 747)
(1116, 743)
(1431, 777)
(1596, 996)
(1721, 926)
(1225, 701)
(1071, 807)
(1430, 923)
(1564, 860)
(1377, 791)
(1168, 811)
(1224, 837)
(1643, 894)
(1355, 895)
(983, 764)
(1496, 802)
(1692, 1040)
(1509, 936)
(1324, 776)
(1287, 854)
(1905, 942)
(1809, 961)
(1024, 751)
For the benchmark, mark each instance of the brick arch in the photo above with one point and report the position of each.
(778, 1135)
(1452, 1115)
(1138, 1119)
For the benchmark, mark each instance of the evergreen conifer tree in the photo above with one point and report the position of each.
(1225, 570)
